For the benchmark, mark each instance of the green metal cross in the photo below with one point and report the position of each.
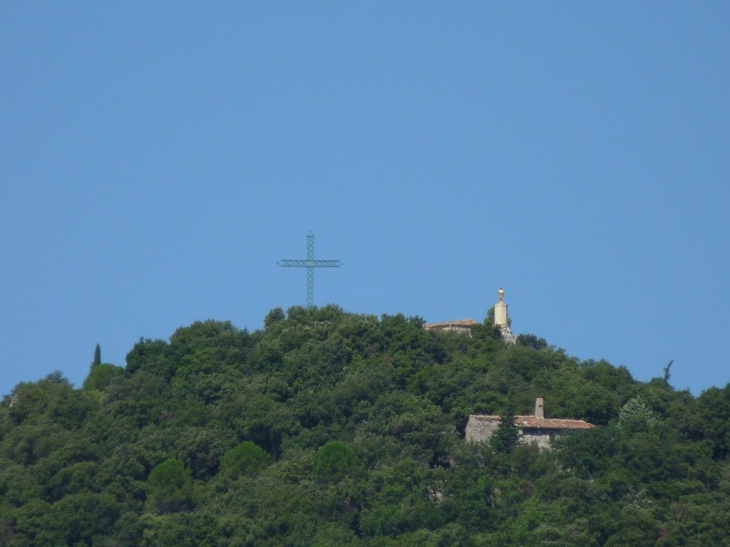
(310, 264)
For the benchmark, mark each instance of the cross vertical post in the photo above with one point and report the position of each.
(310, 263)
(310, 270)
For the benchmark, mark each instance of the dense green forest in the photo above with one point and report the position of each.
(329, 428)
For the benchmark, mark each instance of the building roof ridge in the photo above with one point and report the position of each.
(540, 423)
(457, 322)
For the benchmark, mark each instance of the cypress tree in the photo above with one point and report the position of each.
(507, 434)
(97, 356)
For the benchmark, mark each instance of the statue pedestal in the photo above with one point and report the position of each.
(501, 320)
(500, 314)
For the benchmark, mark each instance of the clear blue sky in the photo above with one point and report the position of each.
(158, 158)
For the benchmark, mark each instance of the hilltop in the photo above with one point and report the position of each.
(331, 428)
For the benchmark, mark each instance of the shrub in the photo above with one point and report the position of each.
(169, 487)
(244, 459)
(334, 460)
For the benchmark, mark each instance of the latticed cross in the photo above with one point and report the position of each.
(310, 263)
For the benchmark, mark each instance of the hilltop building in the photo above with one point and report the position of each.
(533, 429)
(501, 319)
(462, 325)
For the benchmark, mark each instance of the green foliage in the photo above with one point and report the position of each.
(637, 414)
(169, 487)
(531, 341)
(714, 408)
(150, 355)
(275, 316)
(489, 320)
(97, 356)
(354, 435)
(102, 375)
(334, 461)
(244, 459)
(505, 437)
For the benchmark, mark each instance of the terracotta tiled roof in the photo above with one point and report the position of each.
(534, 422)
(551, 423)
(463, 323)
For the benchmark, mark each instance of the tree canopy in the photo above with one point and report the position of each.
(332, 428)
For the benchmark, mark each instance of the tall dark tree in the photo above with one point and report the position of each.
(97, 356)
(505, 438)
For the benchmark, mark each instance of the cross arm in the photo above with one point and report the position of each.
(309, 263)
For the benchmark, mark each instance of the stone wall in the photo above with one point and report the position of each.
(463, 326)
(540, 437)
(480, 428)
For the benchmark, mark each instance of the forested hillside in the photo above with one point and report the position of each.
(329, 428)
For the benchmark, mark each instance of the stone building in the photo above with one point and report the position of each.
(462, 325)
(533, 429)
